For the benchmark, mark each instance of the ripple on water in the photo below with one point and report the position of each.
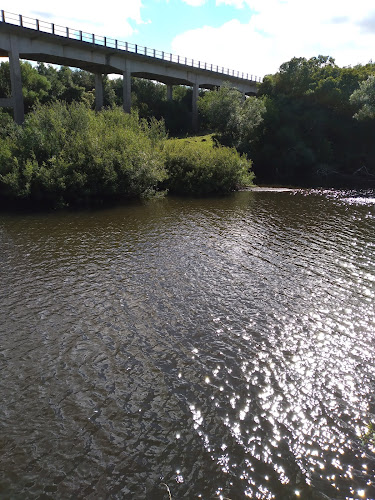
(219, 347)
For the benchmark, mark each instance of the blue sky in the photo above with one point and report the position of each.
(254, 36)
(165, 20)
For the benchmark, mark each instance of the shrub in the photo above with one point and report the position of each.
(198, 168)
(68, 154)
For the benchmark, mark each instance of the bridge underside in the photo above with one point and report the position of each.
(23, 43)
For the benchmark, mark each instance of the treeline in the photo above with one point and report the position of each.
(45, 84)
(67, 154)
(312, 123)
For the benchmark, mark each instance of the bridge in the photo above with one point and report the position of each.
(37, 40)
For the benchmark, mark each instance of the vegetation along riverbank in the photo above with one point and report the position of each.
(311, 124)
(67, 154)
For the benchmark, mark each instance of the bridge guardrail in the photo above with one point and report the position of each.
(74, 34)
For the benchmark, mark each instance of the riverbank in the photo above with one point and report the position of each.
(68, 155)
(270, 189)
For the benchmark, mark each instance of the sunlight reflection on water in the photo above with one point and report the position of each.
(226, 346)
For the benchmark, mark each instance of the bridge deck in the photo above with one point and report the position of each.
(42, 41)
(43, 27)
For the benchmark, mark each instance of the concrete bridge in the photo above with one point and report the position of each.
(36, 40)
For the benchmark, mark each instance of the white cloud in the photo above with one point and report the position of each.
(112, 18)
(239, 4)
(195, 3)
(281, 29)
(230, 46)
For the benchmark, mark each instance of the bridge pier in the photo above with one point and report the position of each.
(99, 95)
(16, 81)
(195, 107)
(127, 90)
(169, 93)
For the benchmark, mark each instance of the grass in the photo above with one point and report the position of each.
(204, 140)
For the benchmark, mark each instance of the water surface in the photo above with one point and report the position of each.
(218, 347)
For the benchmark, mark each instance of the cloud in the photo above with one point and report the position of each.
(368, 23)
(215, 46)
(112, 18)
(239, 4)
(43, 15)
(195, 3)
(279, 30)
(340, 19)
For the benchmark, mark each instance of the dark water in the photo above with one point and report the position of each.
(220, 348)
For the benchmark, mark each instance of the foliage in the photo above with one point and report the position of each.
(45, 84)
(219, 108)
(308, 133)
(369, 435)
(299, 129)
(248, 122)
(234, 117)
(68, 154)
(68, 85)
(364, 96)
(150, 100)
(7, 124)
(317, 82)
(35, 88)
(200, 168)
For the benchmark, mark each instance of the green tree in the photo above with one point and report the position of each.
(308, 134)
(220, 109)
(35, 87)
(249, 124)
(57, 87)
(364, 97)
(150, 100)
(68, 85)
(236, 119)
(5, 88)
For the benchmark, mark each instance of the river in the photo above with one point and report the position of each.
(215, 348)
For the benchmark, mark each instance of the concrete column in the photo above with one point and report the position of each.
(16, 81)
(98, 91)
(195, 107)
(127, 90)
(169, 93)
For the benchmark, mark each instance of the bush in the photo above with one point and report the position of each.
(70, 154)
(198, 168)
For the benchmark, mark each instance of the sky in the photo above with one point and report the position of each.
(252, 36)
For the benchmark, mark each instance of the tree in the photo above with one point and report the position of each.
(364, 97)
(249, 122)
(237, 119)
(220, 108)
(35, 87)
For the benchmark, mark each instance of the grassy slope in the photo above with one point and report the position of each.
(204, 140)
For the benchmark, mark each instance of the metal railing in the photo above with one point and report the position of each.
(104, 41)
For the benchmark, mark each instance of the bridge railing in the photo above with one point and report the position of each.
(74, 34)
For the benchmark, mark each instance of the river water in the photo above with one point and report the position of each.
(216, 348)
